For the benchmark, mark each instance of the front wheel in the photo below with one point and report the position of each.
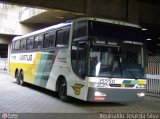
(62, 92)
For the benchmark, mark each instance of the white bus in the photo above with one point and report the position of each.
(91, 59)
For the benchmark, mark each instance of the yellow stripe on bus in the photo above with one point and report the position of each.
(142, 81)
(29, 70)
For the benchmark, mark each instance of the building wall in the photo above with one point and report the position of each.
(9, 21)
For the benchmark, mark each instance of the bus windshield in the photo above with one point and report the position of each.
(117, 62)
(107, 50)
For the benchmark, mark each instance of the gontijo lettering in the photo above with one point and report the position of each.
(26, 57)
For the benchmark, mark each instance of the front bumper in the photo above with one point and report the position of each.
(115, 95)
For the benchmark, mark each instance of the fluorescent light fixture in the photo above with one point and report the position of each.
(59, 17)
(158, 44)
(144, 29)
(159, 38)
(148, 39)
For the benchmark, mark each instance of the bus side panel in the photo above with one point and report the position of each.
(31, 70)
(44, 68)
(12, 69)
(60, 67)
(28, 62)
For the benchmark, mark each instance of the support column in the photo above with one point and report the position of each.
(9, 52)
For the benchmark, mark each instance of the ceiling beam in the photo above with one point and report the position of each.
(66, 5)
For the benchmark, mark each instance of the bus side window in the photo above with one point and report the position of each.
(13, 46)
(46, 40)
(51, 38)
(30, 43)
(37, 42)
(62, 37)
(79, 58)
(23, 44)
(40, 41)
(80, 29)
(17, 45)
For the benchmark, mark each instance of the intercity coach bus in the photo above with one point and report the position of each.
(91, 59)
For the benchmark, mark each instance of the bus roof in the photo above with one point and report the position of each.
(111, 21)
(43, 30)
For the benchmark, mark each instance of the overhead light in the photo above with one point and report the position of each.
(59, 17)
(148, 39)
(159, 38)
(144, 29)
(158, 44)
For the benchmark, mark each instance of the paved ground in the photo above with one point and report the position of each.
(32, 99)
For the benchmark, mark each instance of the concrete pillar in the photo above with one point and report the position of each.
(9, 52)
(5, 39)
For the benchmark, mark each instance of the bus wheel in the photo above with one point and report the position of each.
(17, 77)
(21, 80)
(62, 92)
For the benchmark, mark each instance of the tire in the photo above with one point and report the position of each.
(17, 78)
(21, 80)
(62, 92)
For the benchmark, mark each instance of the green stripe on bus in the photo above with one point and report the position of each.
(44, 69)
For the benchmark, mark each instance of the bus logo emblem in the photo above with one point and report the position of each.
(77, 88)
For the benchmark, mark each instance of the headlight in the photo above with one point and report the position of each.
(138, 86)
(141, 86)
(141, 83)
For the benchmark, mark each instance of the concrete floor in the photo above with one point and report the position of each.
(31, 99)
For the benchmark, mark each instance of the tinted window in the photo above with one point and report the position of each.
(38, 42)
(17, 45)
(13, 46)
(49, 39)
(46, 40)
(80, 29)
(23, 44)
(30, 43)
(63, 37)
(79, 53)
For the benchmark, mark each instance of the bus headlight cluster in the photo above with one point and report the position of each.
(141, 86)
